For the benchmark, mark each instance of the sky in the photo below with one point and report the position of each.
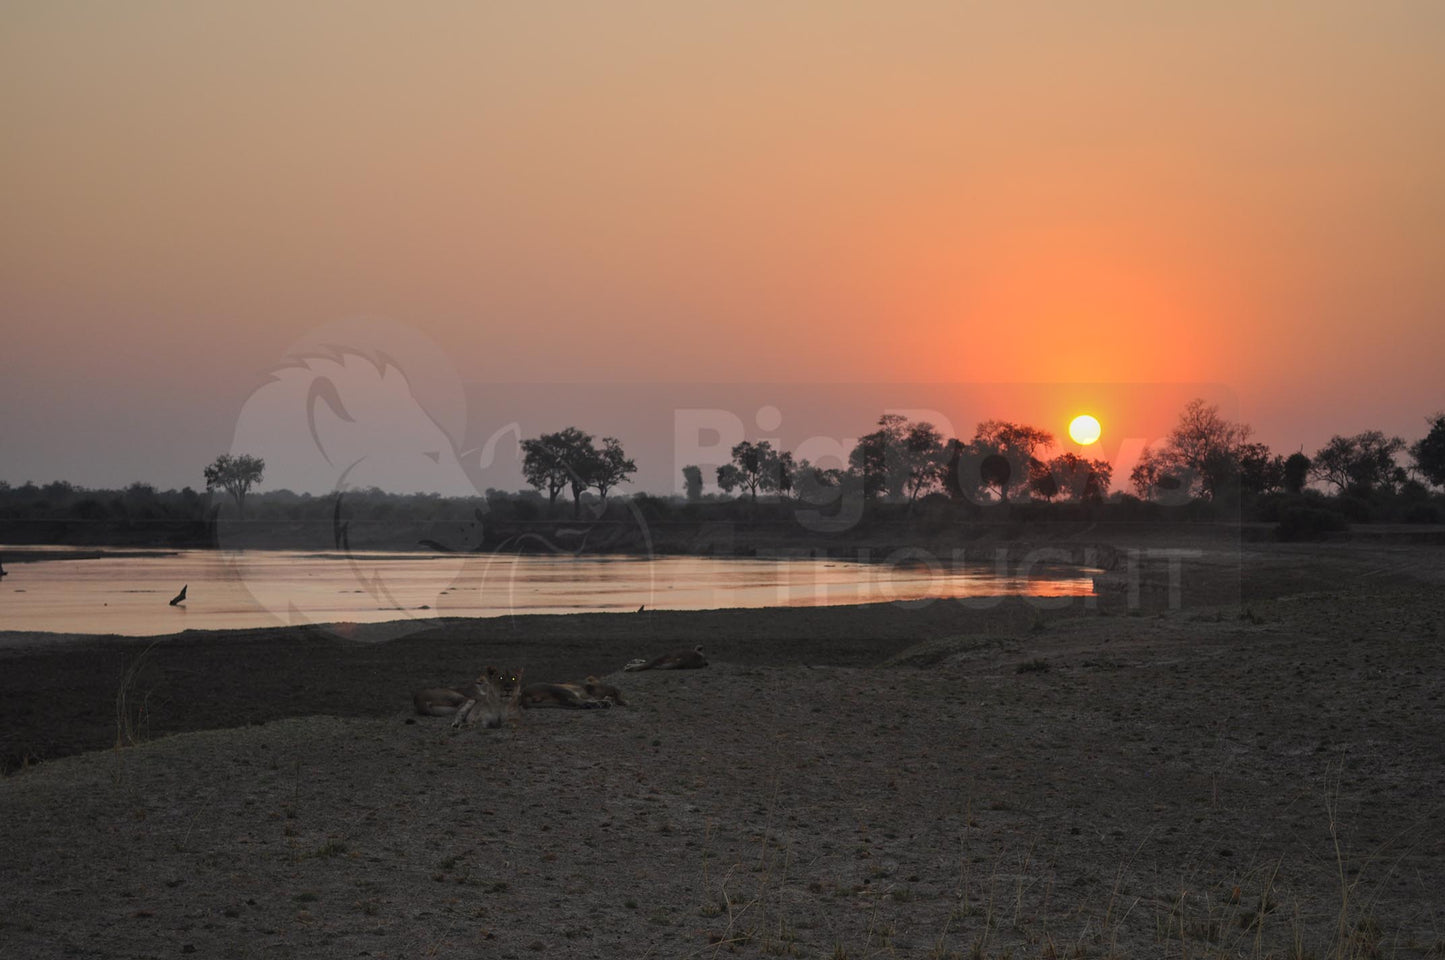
(627, 211)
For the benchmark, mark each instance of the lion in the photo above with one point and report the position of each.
(587, 695)
(677, 660)
(599, 690)
(486, 700)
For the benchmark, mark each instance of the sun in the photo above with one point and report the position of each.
(1084, 429)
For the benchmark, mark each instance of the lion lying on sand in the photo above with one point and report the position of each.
(486, 700)
(591, 693)
(496, 694)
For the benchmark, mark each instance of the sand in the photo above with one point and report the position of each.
(1260, 776)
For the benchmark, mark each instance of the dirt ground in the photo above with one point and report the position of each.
(1254, 767)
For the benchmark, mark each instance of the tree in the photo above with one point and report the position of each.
(756, 466)
(1042, 482)
(1259, 470)
(1078, 478)
(692, 482)
(955, 478)
(1359, 464)
(901, 459)
(552, 462)
(787, 472)
(1429, 452)
(816, 484)
(236, 475)
(1207, 445)
(923, 463)
(1147, 473)
(876, 457)
(609, 466)
(568, 459)
(543, 466)
(1004, 452)
(1296, 472)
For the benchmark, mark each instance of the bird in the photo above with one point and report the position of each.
(180, 596)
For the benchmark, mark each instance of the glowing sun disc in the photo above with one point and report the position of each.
(1084, 429)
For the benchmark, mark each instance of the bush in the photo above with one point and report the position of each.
(1425, 513)
(1356, 508)
(1309, 523)
(1271, 507)
(1126, 506)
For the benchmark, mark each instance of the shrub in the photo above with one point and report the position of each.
(1425, 513)
(1309, 523)
(1357, 509)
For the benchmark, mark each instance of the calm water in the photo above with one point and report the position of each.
(130, 595)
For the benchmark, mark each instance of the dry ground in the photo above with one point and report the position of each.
(1248, 779)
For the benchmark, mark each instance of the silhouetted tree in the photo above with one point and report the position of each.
(756, 466)
(567, 459)
(236, 475)
(923, 464)
(815, 484)
(692, 482)
(1260, 471)
(952, 478)
(996, 471)
(1296, 472)
(901, 459)
(1004, 454)
(609, 466)
(1360, 464)
(787, 472)
(551, 462)
(876, 457)
(1207, 445)
(1147, 473)
(1429, 452)
(1076, 477)
(1042, 482)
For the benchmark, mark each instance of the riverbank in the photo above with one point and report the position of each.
(1147, 780)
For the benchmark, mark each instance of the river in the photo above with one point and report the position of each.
(128, 593)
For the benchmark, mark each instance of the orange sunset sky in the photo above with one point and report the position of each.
(1070, 196)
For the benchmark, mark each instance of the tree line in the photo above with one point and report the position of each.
(1204, 456)
(903, 460)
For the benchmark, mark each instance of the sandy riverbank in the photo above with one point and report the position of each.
(840, 782)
